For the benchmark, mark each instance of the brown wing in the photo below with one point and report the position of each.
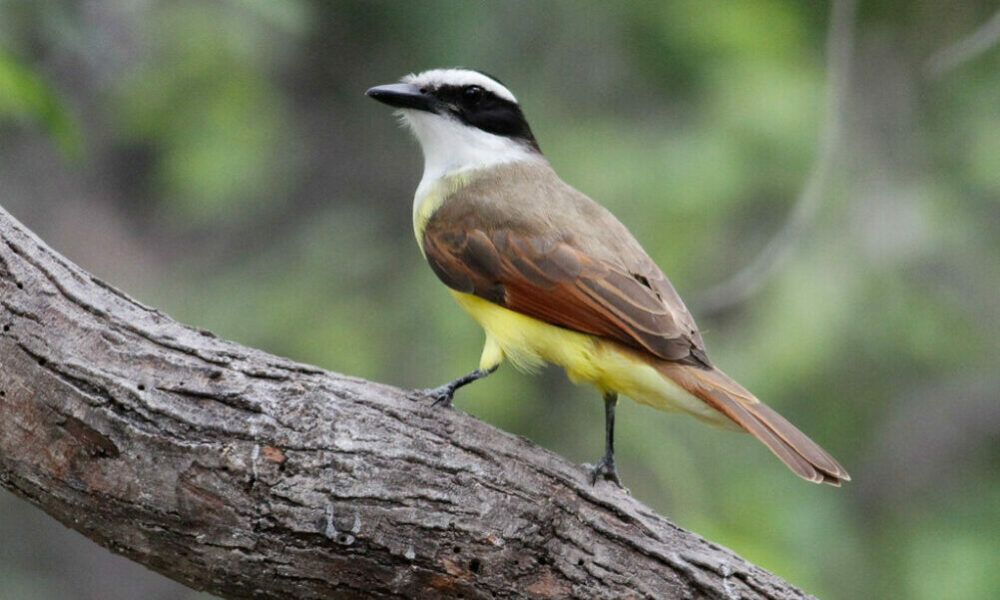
(554, 279)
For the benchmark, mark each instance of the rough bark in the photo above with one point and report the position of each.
(251, 476)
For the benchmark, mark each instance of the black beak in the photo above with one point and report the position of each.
(403, 95)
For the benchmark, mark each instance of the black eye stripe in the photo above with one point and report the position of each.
(473, 93)
(481, 108)
(456, 93)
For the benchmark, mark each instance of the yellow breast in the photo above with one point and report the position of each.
(603, 363)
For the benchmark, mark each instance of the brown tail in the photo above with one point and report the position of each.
(793, 447)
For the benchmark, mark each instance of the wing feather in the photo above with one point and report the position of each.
(559, 282)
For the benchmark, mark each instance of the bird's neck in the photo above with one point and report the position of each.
(451, 148)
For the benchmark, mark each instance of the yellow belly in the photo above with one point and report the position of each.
(605, 364)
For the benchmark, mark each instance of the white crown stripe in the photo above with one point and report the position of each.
(459, 77)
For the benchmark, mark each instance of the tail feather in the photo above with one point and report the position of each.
(802, 455)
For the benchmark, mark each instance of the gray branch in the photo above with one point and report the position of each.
(251, 476)
(749, 280)
(985, 37)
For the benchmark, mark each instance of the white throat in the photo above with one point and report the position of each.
(450, 146)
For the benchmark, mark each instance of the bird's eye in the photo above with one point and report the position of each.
(472, 94)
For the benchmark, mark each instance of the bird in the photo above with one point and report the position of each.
(552, 276)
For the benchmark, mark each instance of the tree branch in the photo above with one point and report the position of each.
(251, 476)
(749, 280)
(966, 49)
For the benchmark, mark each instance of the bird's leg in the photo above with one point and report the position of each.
(443, 394)
(606, 467)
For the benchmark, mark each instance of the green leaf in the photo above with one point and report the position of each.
(25, 97)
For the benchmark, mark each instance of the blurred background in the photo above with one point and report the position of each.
(821, 183)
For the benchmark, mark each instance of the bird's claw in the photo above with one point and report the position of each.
(442, 395)
(605, 469)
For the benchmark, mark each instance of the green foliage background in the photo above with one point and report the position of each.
(219, 160)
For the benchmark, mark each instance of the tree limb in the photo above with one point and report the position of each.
(250, 476)
(966, 49)
(751, 278)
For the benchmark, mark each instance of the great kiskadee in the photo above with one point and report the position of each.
(552, 276)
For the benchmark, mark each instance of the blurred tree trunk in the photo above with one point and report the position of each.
(251, 476)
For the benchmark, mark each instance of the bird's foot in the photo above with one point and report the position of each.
(605, 469)
(442, 395)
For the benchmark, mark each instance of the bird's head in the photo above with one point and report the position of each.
(462, 119)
